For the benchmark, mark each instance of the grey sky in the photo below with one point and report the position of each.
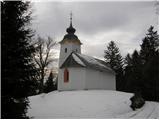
(97, 23)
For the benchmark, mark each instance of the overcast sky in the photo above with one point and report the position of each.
(97, 23)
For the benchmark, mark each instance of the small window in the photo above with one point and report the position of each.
(65, 50)
(66, 75)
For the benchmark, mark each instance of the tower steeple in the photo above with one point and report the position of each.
(69, 43)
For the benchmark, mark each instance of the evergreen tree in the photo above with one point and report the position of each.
(113, 57)
(50, 84)
(151, 78)
(150, 61)
(136, 71)
(18, 71)
(133, 73)
(142, 69)
(149, 46)
(128, 60)
(115, 60)
(128, 72)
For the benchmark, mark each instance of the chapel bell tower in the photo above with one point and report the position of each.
(69, 43)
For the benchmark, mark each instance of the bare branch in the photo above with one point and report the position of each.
(43, 54)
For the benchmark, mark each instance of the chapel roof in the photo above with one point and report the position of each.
(80, 60)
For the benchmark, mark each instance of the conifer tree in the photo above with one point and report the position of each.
(50, 84)
(114, 59)
(150, 44)
(18, 70)
(127, 72)
(142, 69)
(150, 61)
(151, 78)
(128, 60)
(136, 71)
(133, 72)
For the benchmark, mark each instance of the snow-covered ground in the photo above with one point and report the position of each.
(88, 104)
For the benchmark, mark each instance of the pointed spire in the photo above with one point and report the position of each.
(71, 30)
(71, 18)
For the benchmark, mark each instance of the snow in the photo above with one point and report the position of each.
(78, 60)
(88, 104)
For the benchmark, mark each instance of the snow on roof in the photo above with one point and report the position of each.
(94, 63)
(92, 60)
(78, 60)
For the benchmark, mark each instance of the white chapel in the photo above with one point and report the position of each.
(81, 72)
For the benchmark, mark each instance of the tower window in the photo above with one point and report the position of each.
(65, 50)
(66, 75)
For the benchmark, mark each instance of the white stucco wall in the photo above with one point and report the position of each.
(76, 79)
(83, 78)
(100, 80)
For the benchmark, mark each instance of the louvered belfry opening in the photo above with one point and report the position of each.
(66, 75)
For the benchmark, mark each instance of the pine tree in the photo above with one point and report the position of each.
(18, 70)
(149, 45)
(142, 68)
(150, 61)
(136, 71)
(133, 72)
(113, 57)
(127, 72)
(50, 84)
(128, 60)
(115, 60)
(151, 78)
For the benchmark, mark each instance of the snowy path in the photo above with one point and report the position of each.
(88, 104)
(149, 110)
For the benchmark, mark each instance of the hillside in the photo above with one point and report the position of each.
(88, 104)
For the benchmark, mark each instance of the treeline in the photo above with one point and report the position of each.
(139, 71)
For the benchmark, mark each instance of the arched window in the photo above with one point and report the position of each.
(66, 75)
(65, 50)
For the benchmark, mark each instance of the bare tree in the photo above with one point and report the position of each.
(44, 56)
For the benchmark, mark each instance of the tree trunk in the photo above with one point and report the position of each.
(42, 81)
